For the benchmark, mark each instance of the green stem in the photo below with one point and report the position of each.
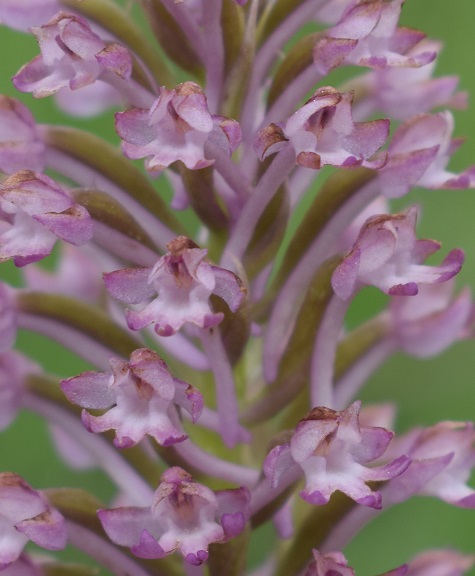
(274, 14)
(101, 156)
(108, 211)
(294, 366)
(334, 194)
(84, 318)
(358, 343)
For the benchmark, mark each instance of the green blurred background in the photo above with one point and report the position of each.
(425, 391)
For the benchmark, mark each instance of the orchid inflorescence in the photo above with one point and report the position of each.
(224, 383)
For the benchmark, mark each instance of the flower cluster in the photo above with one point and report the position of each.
(223, 380)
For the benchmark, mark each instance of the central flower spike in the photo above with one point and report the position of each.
(140, 396)
(322, 132)
(182, 282)
(184, 516)
(176, 127)
(388, 255)
(332, 450)
(72, 56)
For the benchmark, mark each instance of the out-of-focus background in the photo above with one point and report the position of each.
(426, 392)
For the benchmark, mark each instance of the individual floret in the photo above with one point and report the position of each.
(72, 55)
(176, 127)
(140, 397)
(181, 283)
(184, 516)
(322, 132)
(34, 212)
(367, 35)
(333, 451)
(388, 255)
(25, 515)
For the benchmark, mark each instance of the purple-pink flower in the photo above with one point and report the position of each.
(184, 516)
(440, 563)
(335, 564)
(322, 132)
(388, 255)
(432, 320)
(329, 564)
(333, 451)
(176, 127)
(260, 316)
(442, 456)
(367, 35)
(181, 283)
(34, 212)
(139, 397)
(402, 92)
(72, 56)
(24, 566)
(419, 152)
(26, 515)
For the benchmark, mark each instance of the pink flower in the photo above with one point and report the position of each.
(140, 397)
(418, 155)
(23, 566)
(329, 564)
(432, 320)
(77, 273)
(72, 55)
(25, 515)
(367, 35)
(440, 563)
(442, 460)
(176, 127)
(335, 564)
(182, 283)
(34, 212)
(322, 132)
(333, 450)
(184, 516)
(388, 255)
(402, 92)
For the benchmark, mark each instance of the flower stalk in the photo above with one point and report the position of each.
(207, 264)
